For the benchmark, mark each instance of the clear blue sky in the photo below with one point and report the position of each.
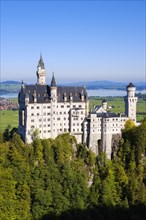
(79, 40)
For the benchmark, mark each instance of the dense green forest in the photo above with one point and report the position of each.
(60, 179)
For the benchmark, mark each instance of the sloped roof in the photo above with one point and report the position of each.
(53, 81)
(43, 94)
(130, 85)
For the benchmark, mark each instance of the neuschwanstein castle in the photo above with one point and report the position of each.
(54, 110)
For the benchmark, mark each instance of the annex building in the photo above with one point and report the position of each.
(51, 110)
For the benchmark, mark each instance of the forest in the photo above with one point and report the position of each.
(60, 179)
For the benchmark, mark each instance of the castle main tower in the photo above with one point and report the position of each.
(130, 102)
(41, 73)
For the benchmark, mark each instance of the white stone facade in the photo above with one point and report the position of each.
(53, 110)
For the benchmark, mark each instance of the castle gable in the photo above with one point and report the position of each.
(100, 110)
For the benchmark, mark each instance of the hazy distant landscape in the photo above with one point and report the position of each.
(14, 86)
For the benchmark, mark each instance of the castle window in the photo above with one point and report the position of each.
(48, 125)
(44, 125)
(48, 130)
(32, 120)
(44, 131)
(48, 113)
(32, 114)
(40, 119)
(48, 119)
(37, 113)
(64, 118)
(74, 106)
(62, 106)
(58, 119)
(44, 119)
(44, 113)
(48, 106)
(32, 107)
(40, 131)
(32, 126)
(80, 106)
(44, 107)
(38, 107)
(68, 106)
(73, 129)
(64, 112)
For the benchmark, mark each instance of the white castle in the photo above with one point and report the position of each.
(52, 110)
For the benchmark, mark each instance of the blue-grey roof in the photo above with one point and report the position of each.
(130, 85)
(53, 81)
(41, 63)
(105, 115)
(43, 95)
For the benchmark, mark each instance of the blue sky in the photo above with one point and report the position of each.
(79, 40)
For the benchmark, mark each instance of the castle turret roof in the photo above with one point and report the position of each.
(130, 85)
(41, 63)
(53, 81)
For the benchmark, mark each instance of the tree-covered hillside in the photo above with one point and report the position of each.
(60, 179)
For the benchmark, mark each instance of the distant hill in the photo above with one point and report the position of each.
(105, 84)
(9, 87)
(10, 83)
(14, 86)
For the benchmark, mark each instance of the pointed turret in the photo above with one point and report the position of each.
(22, 84)
(41, 73)
(41, 63)
(53, 81)
(130, 102)
(53, 89)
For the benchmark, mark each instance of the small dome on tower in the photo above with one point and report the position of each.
(130, 85)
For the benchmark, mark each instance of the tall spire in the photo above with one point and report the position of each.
(53, 81)
(41, 73)
(41, 63)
